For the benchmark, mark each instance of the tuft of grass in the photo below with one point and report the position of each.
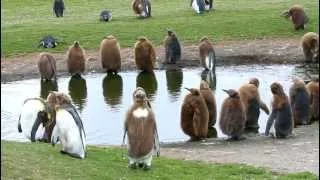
(24, 23)
(42, 161)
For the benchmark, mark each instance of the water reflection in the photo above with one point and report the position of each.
(210, 78)
(46, 87)
(78, 91)
(148, 81)
(174, 83)
(112, 89)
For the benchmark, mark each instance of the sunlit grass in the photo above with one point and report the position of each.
(24, 23)
(42, 161)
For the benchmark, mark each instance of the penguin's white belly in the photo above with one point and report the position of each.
(195, 6)
(140, 113)
(28, 116)
(69, 133)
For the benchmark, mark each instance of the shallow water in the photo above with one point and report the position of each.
(103, 100)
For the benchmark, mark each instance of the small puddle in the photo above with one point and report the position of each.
(103, 100)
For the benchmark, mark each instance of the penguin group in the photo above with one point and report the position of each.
(54, 118)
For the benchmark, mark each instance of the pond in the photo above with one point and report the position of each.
(103, 100)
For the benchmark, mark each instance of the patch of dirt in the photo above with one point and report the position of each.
(297, 153)
(266, 51)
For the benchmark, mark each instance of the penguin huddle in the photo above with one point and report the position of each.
(51, 120)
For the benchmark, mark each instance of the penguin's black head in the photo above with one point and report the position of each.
(232, 93)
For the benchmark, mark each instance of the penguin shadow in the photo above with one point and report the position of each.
(78, 91)
(148, 81)
(174, 82)
(210, 77)
(112, 86)
(212, 132)
(46, 87)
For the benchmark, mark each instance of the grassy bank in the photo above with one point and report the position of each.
(42, 161)
(24, 23)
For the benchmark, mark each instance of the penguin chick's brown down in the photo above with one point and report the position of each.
(207, 54)
(310, 46)
(76, 59)
(172, 48)
(194, 115)
(299, 100)
(280, 119)
(140, 125)
(298, 16)
(142, 8)
(232, 115)
(210, 100)
(145, 55)
(313, 91)
(47, 66)
(110, 54)
(249, 95)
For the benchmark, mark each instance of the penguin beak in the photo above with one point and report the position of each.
(225, 91)
(188, 89)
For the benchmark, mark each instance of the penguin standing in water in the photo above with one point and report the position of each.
(299, 100)
(172, 48)
(280, 119)
(141, 127)
(233, 115)
(47, 66)
(207, 54)
(76, 60)
(69, 131)
(32, 117)
(194, 115)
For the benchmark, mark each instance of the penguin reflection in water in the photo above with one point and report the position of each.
(280, 120)
(194, 115)
(140, 125)
(233, 115)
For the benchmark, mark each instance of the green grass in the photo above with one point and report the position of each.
(24, 23)
(42, 161)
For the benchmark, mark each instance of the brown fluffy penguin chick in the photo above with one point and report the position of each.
(298, 16)
(250, 97)
(313, 91)
(232, 115)
(172, 48)
(310, 46)
(110, 54)
(76, 59)
(47, 66)
(280, 118)
(194, 115)
(142, 8)
(144, 54)
(140, 124)
(299, 100)
(207, 54)
(210, 100)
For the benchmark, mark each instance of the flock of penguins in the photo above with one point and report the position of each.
(239, 112)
